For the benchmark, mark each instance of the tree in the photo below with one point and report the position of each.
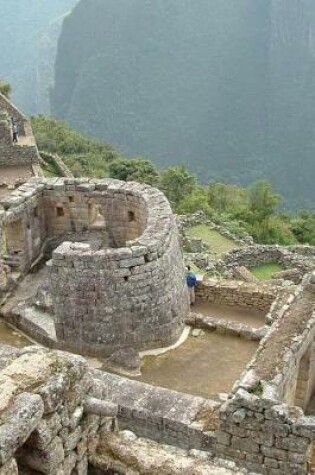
(303, 227)
(177, 183)
(197, 200)
(137, 169)
(218, 196)
(262, 206)
(5, 89)
(262, 200)
(227, 198)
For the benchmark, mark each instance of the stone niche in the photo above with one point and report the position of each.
(116, 275)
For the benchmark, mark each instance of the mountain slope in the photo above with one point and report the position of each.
(24, 26)
(222, 86)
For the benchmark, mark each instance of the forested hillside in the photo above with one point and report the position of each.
(29, 31)
(224, 87)
(254, 210)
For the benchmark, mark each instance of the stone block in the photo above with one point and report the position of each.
(9, 468)
(19, 422)
(44, 461)
(293, 443)
(54, 391)
(247, 445)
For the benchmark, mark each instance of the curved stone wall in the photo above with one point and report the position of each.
(117, 276)
(133, 296)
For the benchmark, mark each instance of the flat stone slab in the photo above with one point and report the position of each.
(123, 451)
(170, 417)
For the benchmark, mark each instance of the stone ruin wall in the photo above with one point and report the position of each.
(122, 288)
(56, 414)
(300, 257)
(17, 154)
(263, 426)
(5, 130)
(241, 294)
(138, 288)
(12, 111)
(48, 423)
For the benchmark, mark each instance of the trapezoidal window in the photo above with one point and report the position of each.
(60, 211)
(131, 216)
(96, 217)
(15, 241)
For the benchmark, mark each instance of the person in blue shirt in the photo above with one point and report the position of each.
(191, 284)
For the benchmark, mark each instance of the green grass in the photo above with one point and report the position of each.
(217, 243)
(50, 169)
(265, 271)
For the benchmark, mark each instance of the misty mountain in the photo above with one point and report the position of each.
(29, 31)
(225, 87)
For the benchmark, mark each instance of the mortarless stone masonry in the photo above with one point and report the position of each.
(263, 424)
(124, 287)
(57, 416)
(23, 153)
(47, 425)
(117, 284)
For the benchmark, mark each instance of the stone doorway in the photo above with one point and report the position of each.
(16, 245)
(305, 386)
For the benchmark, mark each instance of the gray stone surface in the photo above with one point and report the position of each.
(123, 291)
(160, 414)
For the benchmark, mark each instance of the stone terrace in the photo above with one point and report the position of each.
(18, 162)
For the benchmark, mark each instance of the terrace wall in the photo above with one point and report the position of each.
(262, 426)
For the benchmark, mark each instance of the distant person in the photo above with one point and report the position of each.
(15, 132)
(191, 284)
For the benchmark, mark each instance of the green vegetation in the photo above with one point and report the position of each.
(84, 156)
(5, 88)
(136, 169)
(265, 271)
(50, 169)
(253, 210)
(303, 227)
(212, 88)
(178, 184)
(217, 243)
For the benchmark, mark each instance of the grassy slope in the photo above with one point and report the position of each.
(265, 271)
(216, 242)
(84, 157)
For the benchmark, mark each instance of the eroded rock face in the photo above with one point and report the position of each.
(43, 428)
